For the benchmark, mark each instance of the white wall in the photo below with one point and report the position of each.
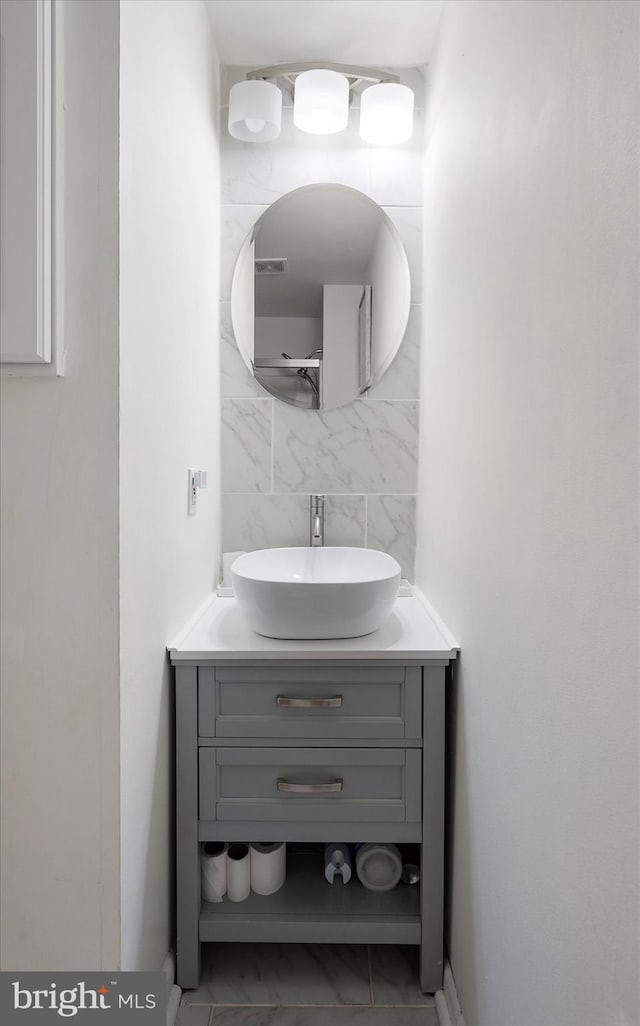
(529, 507)
(169, 209)
(60, 844)
(340, 343)
(296, 336)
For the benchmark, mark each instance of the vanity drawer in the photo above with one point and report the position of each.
(345, 785)
(310, 702)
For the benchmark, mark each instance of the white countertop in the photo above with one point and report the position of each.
(413, 631)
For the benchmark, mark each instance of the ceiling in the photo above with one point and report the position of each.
(373, 32)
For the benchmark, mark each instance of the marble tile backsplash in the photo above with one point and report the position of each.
(363, 456)
(368, 446)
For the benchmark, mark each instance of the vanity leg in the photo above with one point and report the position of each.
(187, 848)
(432, 869)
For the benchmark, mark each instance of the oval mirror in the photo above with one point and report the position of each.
(320, 296)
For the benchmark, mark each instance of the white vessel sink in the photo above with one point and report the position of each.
(323, 592)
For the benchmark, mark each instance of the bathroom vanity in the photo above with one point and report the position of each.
(310, 742)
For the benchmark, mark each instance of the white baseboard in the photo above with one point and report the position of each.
(169, 968)
(447, 1003)
(173, 1004)
(444, 1019)
(174, 993)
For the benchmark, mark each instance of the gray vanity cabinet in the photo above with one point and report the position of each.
(309, 753)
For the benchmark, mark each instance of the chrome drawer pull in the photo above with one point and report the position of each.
(293, 787)
(310, 703)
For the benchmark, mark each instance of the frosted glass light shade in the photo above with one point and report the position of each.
(386, 113)
(321, 102)
(255, 111)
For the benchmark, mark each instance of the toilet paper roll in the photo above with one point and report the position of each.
(213, 871)
(268, 866)
(238, 872)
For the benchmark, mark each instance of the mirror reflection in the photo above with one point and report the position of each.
(320, 296)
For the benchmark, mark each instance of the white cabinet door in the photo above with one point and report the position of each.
(25, 181)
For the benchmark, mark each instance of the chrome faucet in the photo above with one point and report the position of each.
(316, 520)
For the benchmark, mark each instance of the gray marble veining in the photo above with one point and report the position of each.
(308, 985)
(344, 520)
(193, 1015)
(351, 1016)
(401, 380)
(236, 380)
(264, 521)
(391, 527)
(394, 975)
(246, 445)
(368, 446)
(281, 519)
(282, 974)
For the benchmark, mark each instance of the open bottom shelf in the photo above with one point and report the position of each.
(307, 909)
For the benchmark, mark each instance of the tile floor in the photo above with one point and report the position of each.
(307, 985)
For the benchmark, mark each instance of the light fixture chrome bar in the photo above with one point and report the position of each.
(354, 73)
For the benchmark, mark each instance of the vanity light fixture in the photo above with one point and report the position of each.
(321, 96)
(321, 101)
(255, 111)
(386, 113)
